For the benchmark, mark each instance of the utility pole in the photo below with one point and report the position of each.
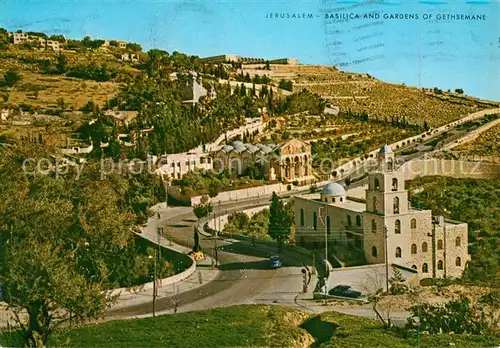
(154, 286)
(386, 261)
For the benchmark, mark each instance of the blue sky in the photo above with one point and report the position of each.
(418, 52)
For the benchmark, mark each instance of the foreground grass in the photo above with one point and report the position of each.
(251, 325)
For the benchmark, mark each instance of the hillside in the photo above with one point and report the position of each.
(252, 326)
(361, 93)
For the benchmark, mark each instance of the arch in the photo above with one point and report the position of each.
(394, 184)
(315, 221)
(397, 227)
(349, 221)
(414, 249)
(440, 244)
(425, 268)
(374, 251)
(376, 184)
(396, 205)
(358, 220)
(390, 165)
(413, 224)
(458, 262)
(458, 241)
(424, 247)
(440, 265)
(374, 204)
(398, 252)
(414, 266)
(301, 217)
(374, 226)
(333, 200)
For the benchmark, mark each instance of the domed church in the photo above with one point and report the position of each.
(415, 240)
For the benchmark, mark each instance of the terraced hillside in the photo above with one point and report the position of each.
(487, 144)
(361, 93)
(41, 87)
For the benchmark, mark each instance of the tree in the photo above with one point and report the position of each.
(268, 67)
(279, 221)
(61, 63)
(134, 47)
(11, 77)
(459, 91)
(204, 208)
(397, 282)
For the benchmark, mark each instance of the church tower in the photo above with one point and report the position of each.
(386, 194)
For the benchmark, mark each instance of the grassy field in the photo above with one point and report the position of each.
(252, 325)
(41, 90)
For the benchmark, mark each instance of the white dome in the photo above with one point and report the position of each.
(333, 189)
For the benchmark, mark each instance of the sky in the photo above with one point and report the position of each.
(396, 44)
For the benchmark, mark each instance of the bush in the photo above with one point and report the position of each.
(11, 77)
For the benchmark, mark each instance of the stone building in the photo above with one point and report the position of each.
(431, 245)
(288, 162)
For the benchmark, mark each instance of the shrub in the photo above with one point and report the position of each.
(11, 77)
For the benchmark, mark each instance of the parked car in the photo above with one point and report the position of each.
(275, 262)
(345, 291)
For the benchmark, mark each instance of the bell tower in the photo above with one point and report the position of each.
(386, 194)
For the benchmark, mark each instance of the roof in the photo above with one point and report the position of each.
(334, 189)
(385, 149)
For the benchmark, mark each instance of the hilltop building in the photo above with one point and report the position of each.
(231, 58)
(42, 42)
(431, 245)
(194, 92)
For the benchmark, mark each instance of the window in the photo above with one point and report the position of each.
(374, 226)
(326, 199)
(457, 241)
(413, 224)
(440, 265)
(425, 268)
(328, 225)
(398, 252)
(341, 199)
(349, 221)
(202, 160)
(375, 204)
(396, 205)
(414, 266)
(397, 227)
(374, 251)
(394, 184)
(414, 249)
(440, 244)
(333, 199)
(458, 262)
(424, 247)
(376, 184)
(315, 221)
(301, 217)
(358, 220)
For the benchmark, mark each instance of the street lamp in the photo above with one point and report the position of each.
(154, 283)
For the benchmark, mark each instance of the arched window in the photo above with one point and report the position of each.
(374, 226)
(424, 247)
(341, 199)
(390, 165)
(398, 252)
(458, 241)
(301, 217)
(394, 184)
(349, 221)
(358, 220)
(397, 227)
(333, 199)
(414, 266)
(396, 205)
(375, 204)
(425, 268)
(374, 251)
(440, 265)
(458, 262)
(414, 249)
(440, 244)
(328, 225)
(413, 224)
(376, 184)
(315, 221)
